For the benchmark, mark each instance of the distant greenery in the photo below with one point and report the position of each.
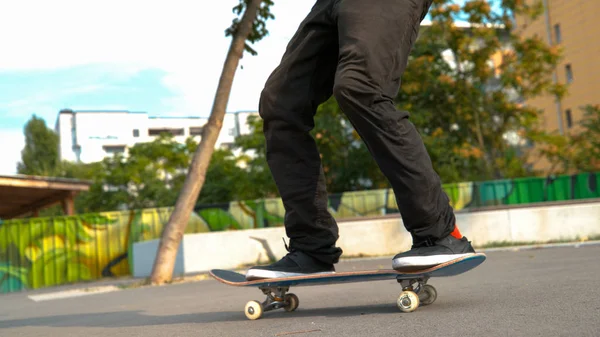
(40, 155)
(464, 110)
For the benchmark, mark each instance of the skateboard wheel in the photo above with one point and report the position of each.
(408, 301)
(291, 301)
(253, 310)
(428, 295)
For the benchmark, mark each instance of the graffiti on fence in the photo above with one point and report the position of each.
(43, 252)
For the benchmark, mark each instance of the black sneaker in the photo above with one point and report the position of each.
(428, 254)
(295, 263)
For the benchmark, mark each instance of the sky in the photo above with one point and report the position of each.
(163, 58)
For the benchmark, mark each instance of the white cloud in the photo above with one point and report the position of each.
(181, 37)
(13, 141)
(41, 101)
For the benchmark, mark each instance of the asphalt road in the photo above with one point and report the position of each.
(543, 292)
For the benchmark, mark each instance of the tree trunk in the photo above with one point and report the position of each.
(478, 129)
(479, 132)
(162, 270)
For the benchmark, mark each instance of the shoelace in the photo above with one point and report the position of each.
(291, 252)
(425, 242)
(285, 244)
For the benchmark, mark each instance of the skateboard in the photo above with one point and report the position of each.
(415, 290)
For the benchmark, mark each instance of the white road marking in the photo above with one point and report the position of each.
(72, 293)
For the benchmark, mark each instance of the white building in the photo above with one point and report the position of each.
(89, 136)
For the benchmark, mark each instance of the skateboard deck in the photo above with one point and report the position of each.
(415, 289)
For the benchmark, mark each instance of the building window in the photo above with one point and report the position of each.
(136, 133)
(557, 34)
(196, 131)
(569, 118)
(114, 149)
(173, 132)
(569, 71)
(227, 146)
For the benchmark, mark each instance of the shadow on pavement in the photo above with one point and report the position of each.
(139, 318)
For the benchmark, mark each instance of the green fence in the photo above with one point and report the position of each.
(44, 252)
(463, 196)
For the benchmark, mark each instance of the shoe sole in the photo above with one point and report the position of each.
(424, 261)
(255, 274)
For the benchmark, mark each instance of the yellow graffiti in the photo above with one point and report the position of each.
(43, 252)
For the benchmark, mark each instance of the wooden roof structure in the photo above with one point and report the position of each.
(22, 195)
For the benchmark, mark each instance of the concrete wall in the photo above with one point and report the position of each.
(538, 224)
(144, 254)
(379, 237)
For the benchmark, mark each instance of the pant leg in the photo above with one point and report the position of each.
(375, 40)
(288, 103)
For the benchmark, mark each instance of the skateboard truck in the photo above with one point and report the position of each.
(415, 292)
(276, 299)
(411, 297)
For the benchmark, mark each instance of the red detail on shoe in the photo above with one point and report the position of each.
(456, 233)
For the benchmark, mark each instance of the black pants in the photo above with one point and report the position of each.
(357, 51)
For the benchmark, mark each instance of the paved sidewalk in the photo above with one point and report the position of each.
(534, 292)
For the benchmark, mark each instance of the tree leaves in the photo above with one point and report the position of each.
(259, 27)
(578, 151)
(40, 155)
(464, 87)
(150, 176)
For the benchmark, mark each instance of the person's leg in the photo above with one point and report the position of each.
(375, 40)
(288, 103)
